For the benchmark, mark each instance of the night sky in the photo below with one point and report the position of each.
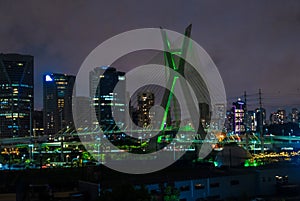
(255, 44)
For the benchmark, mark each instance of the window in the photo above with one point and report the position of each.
(199, 186)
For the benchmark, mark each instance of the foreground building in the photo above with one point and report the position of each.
(208, 183)
(16, 95)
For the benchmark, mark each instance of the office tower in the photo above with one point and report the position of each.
(278, 117)
(229, 121)
(106, 101)
(204, 114)
(274, 118)
(16, 95)
(251, 121)
(218, 121)
(281, 116)
(145, 102)
(58, 89)
(220, 111)
(238, 111)
(82, 113)
(294, 116)
(38, 123)
(260, 118)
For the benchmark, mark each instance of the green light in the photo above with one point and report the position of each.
(168, 104)
(178, 52)
(187, 128)
(173, 63)
(252, 163)
(168, 43)
(159, 139)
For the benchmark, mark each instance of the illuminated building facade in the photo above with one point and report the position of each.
(261, 118)
(38, 123)
(82, 112)
(238, 111)
(278, 117)
(229, 121)
(204, 114)
(294, 116)
(281, 116)
(58, 89)
(16, 95)
(106, 101)
(251, 121)
(145, 102)
(220, 113)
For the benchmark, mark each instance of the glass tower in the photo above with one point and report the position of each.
(58, 90)
(106, 101)
(16, 95)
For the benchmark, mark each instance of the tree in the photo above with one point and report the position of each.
(171, 193)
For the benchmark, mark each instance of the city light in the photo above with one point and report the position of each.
(48, 78)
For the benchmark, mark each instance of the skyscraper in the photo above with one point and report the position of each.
(82, 112)
(220, 113)
(58, 89)
(278, 117)
(16, 95)
(294, 116)
(37, 123)
(145, 102)
(251, 121)
(238, 111)
(260, 118)
(105, 100)
(204, 114)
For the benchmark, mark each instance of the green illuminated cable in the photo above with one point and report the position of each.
(168, 103)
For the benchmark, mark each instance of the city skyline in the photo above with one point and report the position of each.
(252, 106)
(258, 43)
(150, 100)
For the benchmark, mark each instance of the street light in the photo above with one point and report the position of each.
(174, 153)
(67, 158)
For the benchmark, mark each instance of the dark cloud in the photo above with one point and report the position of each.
(255, 44)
